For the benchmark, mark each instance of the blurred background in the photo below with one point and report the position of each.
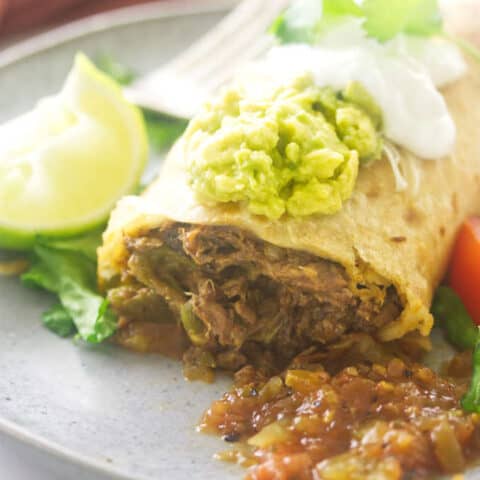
(22, 18)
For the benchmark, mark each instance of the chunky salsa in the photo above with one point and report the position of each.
(381, 417)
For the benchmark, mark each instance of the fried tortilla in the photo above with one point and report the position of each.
(237, 282)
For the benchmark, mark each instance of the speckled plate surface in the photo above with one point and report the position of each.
(104, 411)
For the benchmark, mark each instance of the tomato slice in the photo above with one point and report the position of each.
(465, 267)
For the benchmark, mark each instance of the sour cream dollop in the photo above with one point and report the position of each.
(403, 76)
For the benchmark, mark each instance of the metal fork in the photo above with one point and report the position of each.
(181, 86)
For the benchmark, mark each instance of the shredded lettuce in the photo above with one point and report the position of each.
(465, 45)
(393, 158)
(383, 19)
(162, 130)
(67, 268)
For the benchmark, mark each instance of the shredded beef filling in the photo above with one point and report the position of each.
(236, 295)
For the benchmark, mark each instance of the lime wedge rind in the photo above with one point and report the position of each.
(65, 164)
(11, 239)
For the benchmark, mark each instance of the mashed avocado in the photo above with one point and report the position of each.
(294, 150)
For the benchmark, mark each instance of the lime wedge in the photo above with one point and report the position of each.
(64, 164)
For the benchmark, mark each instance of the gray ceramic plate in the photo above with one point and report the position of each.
(103, 409)
(71, 411)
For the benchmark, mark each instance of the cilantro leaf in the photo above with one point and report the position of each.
(386, 18)
(425, 18)
(298, 23)
(341, 8)
(58, 320)
(72, 276)
(383, 18)
(301, 22)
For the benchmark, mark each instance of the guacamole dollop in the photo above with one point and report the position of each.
(294, 149)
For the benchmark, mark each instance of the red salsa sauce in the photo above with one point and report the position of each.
(391, 419)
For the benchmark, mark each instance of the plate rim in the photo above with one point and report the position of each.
(48, 40)
(104, 21)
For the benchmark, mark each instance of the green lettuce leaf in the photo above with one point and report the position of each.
(85, 244)
(71, 274)
(58, 320)
(460, 330)
(452, 316)
(471, 400)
